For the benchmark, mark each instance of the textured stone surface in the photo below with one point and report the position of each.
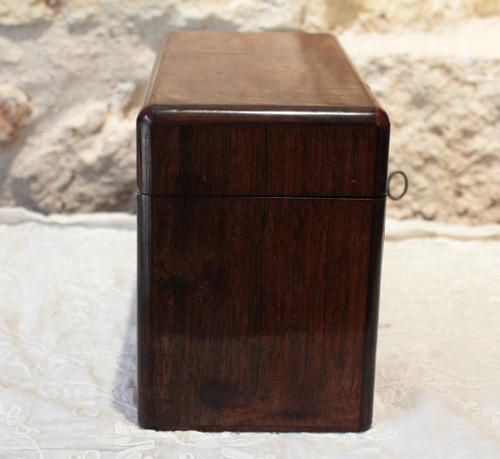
(80, 67)
(443, 97)
(15, 111)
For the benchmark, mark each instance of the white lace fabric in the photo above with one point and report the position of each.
(68, 348)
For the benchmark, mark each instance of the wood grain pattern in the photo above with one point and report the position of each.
(253, 69)
(262, 167)
(255, 314)
(214, 119)
(273, 160)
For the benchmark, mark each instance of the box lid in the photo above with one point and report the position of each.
(271, 114)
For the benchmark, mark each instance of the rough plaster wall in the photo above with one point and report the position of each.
(72, 75)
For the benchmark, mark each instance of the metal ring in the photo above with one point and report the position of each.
(391, 176)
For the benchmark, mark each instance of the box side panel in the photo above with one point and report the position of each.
(256, 315)
(377, 240)
(144, 145)
(262, 160)
(145, 375)
(382, 150)
(372, 309)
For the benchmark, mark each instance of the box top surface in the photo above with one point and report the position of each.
(254, 72)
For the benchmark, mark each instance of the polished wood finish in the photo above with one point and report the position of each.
(206, 82)
(271, 160)
(258, 312)
(208, 69)
(262, 164)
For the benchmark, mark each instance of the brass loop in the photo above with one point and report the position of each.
(391, 176)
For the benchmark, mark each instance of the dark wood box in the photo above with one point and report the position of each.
(262, 163)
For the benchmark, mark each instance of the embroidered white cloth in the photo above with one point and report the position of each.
(68, 348)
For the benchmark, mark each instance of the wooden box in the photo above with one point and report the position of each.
(262, 162)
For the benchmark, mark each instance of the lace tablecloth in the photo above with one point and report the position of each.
(68, 348)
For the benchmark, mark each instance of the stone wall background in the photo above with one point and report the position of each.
(73, 73)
